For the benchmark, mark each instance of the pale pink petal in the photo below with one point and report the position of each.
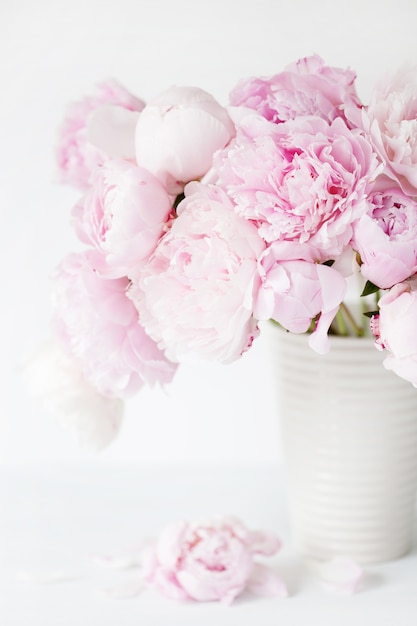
(168, 548)
(340, 574)
(391, 119)
(264, 581)
(397, 329)
(111, 128)
(76, 156)
(167, 583)
(263, 543)
(333, 290)
(177, 134)
(121, 562)
(319, 339)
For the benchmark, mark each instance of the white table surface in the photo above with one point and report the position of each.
(55, 518)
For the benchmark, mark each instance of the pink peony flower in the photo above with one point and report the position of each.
(294, 292)
(392, 121)
(302, 182)
(307, 87)
(212, 560)
(386, 237)
(75, 155)
(56, 380)
(177, 134)
(99, 327)
(122, 216)
(397, 329)
(196, 292)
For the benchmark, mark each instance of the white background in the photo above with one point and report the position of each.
(53, 52)
(218, 421)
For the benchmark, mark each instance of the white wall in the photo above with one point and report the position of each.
(52, 52)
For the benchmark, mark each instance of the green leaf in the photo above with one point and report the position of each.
(369, 289)
(371, 313)
(177, 200)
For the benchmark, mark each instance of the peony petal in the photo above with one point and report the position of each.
(340, 574)
(111, 128)
(264, 543)
(265, 582)
(167, 583)
(178, 133)
(333, 290)
(168, 548)
(116, 562)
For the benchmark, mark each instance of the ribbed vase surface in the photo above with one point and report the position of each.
(349, 435)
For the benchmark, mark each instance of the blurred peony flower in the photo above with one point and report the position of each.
(195, 295)
(99, 327)
(302, 182)
(307, 87)
(211, 560)
(58, 382)
(386, 237)
(391, 118)
(177, 134)
(75, 155)
(396, 329)
(122, 217)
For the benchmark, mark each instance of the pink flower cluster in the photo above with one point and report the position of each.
(201, 220)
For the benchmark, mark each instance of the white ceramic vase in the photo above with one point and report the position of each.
(349, 437)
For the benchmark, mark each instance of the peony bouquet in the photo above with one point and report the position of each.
(198, 221)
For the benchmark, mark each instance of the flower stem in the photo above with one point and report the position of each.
(341, 324)
(343, 310)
